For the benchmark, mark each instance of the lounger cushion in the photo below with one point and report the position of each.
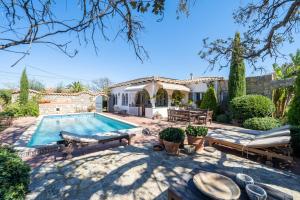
(91, 138)
(276, 133)
(230, 136)
(269, 142)
(239, 134)
(257, 132)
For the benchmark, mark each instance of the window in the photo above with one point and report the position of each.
(161, 98)
(198, 96)
(115, 99)
(125, 99)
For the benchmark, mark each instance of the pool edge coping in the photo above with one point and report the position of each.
(21, 144)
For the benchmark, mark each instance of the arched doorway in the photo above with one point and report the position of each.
(161, 98)
(142, 100)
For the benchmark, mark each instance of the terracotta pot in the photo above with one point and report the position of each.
(161, 141)
(197, 141)
(171, 147)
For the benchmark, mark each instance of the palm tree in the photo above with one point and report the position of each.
(76, 87)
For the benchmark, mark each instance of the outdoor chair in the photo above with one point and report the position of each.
(73, 140)
(272, 144)
(205, 116)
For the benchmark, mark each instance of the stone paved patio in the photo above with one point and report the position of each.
(137, 172)
(133, 172)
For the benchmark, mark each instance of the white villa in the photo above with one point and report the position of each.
(151, 96)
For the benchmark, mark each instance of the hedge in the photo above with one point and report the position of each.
(261, 123)
(14, 175)
(250, 106)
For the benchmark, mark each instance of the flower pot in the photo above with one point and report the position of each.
(171, 147)
(161, 141)
(197, 141)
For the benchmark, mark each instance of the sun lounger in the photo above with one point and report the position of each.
(73, 140)
(272, 144)
(257, 132)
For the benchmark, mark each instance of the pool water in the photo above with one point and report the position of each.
(49, 128)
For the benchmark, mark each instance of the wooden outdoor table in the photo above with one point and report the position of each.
(186, 190)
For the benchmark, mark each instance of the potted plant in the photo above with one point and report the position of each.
(172, 138)
(160, 138)
(195, 136)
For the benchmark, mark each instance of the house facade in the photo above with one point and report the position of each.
(152, 96)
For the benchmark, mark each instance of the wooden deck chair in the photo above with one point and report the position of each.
(274, 144)
(73, 140)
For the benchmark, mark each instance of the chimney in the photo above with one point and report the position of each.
(191, 75)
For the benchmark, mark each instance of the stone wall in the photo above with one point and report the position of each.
(254, 85)
(260, 85)
(64, 103)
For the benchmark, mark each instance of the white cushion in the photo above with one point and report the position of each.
(269, 142)
(230, 136)
(274, 134)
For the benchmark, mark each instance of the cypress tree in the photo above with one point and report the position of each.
(237, 80)
(294, 110)
(210, 100)
(24, 88)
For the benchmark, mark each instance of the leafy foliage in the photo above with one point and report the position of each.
(170, 134)
(14, 175)
(24, 88)
(267, 26)
(5, 95)
(31, 108)
(36, 85)
(283, 96)
(76, 87)
(60, 88)
(196, 131)
(223, 118)
(250, 106)
(294, 110)
(210, 100)
(261, 123)
(177, 97)
(237, 80)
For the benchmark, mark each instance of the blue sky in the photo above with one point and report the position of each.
(172, 44)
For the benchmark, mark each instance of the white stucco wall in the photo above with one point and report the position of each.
(199, 87)
(152, 89)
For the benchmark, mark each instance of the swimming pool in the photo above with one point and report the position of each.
(48, 130)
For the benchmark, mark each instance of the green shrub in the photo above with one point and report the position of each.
(250, 106)
(198, 103)
(295, 140)
(196, 131)
(5, 95)
(261, 123)
(177, 97)
(31, 108)
(223, 118)
(14, 175)
(175, 135)
(210, 100)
